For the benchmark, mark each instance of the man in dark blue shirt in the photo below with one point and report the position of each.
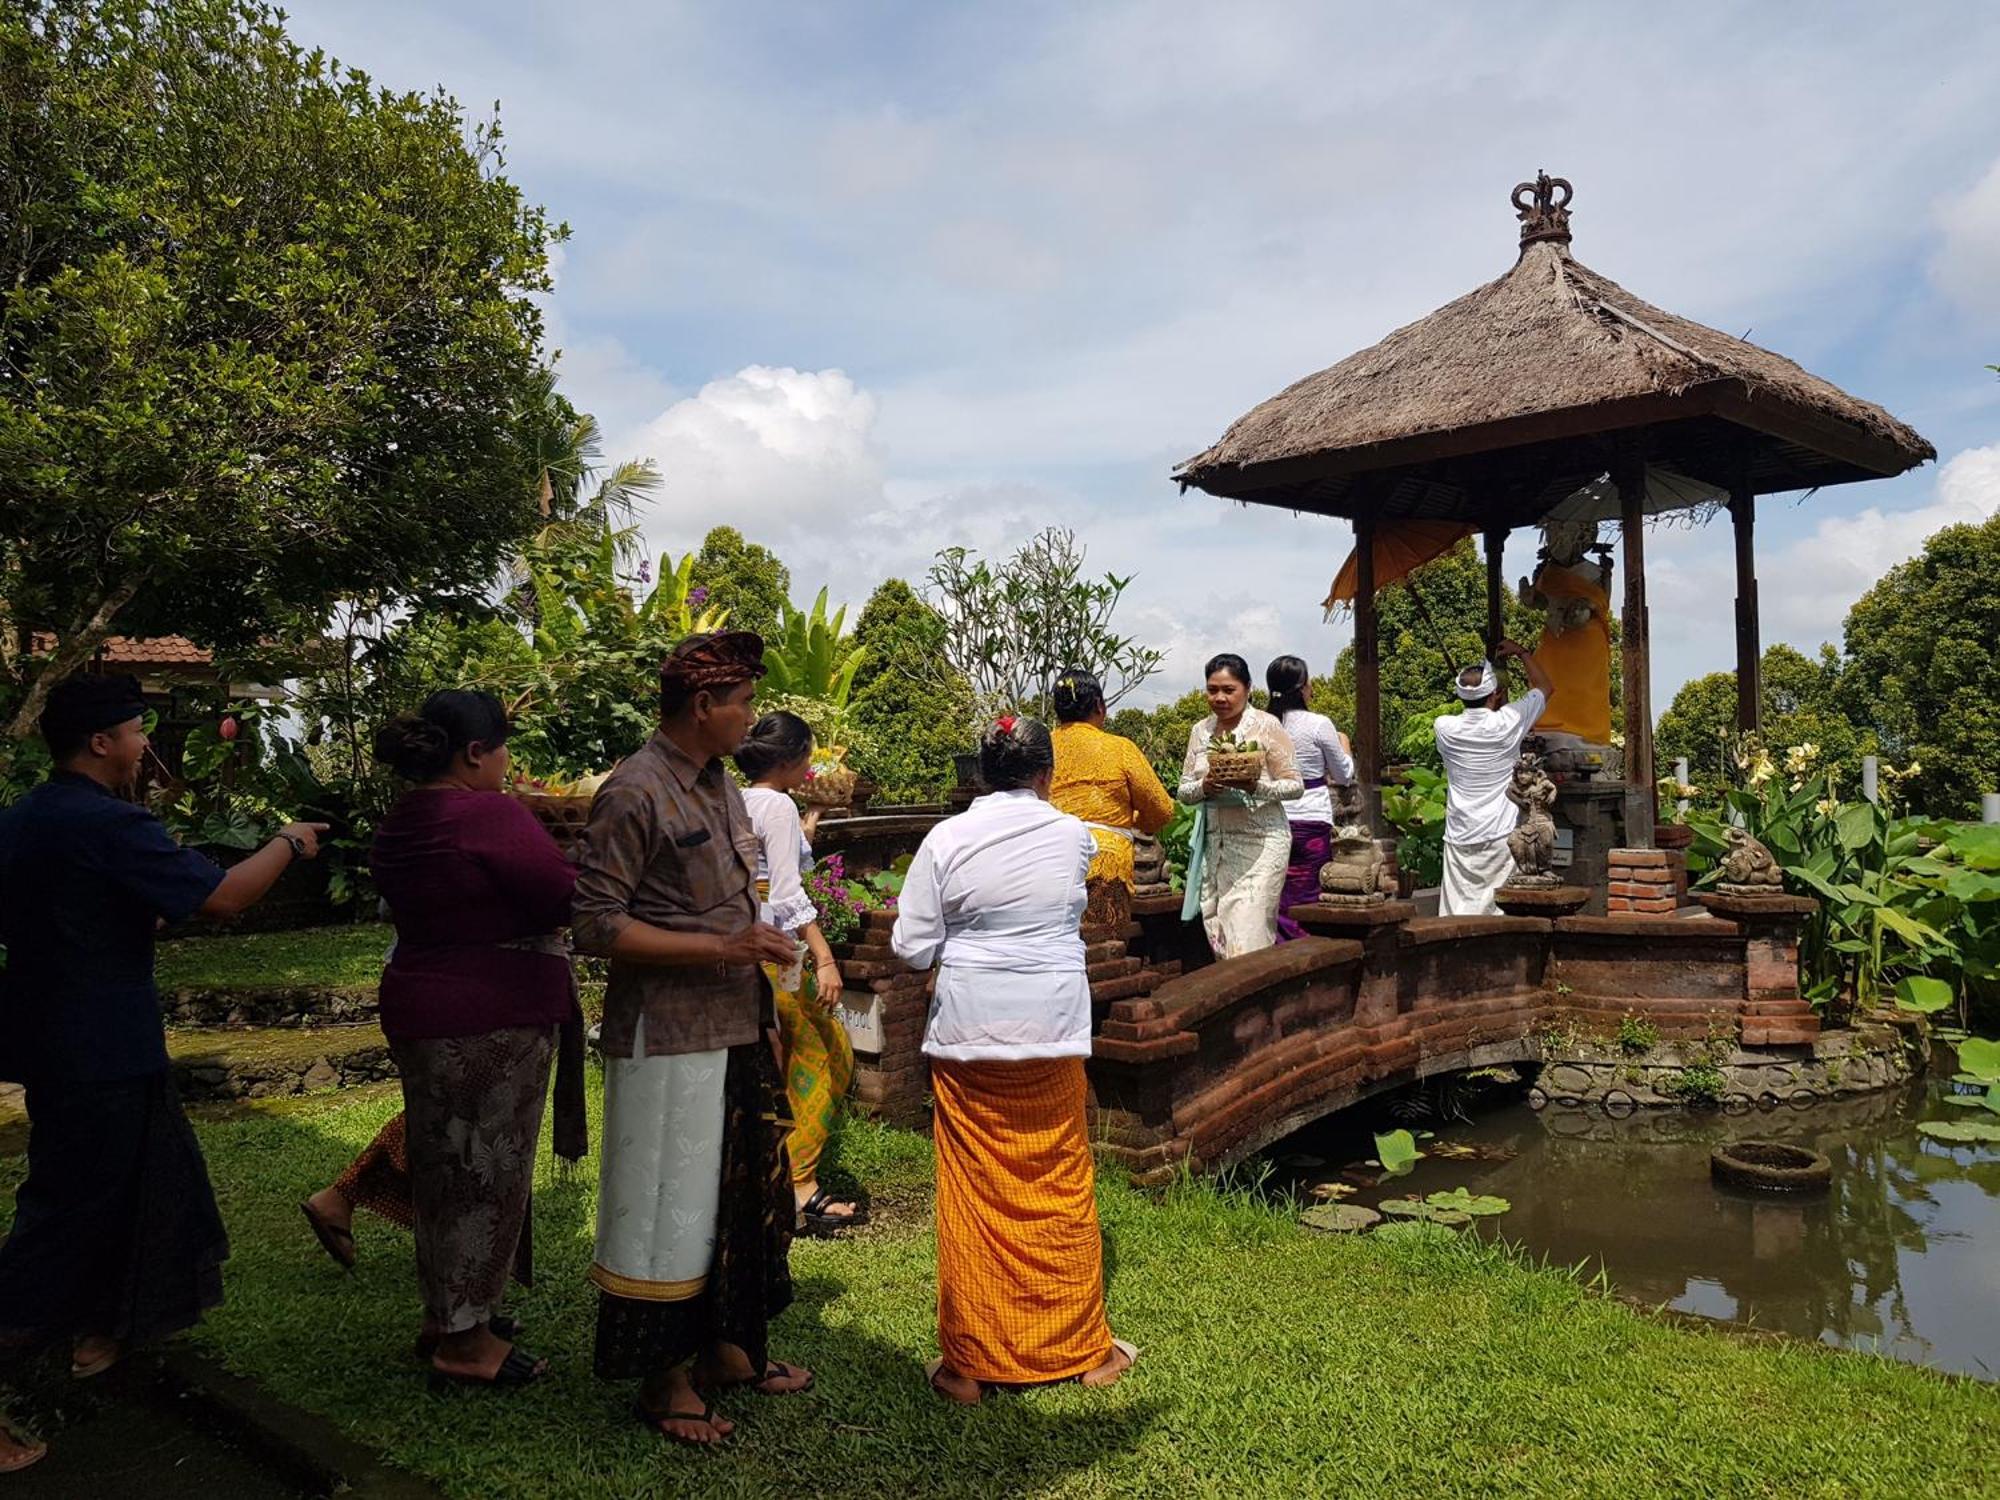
(116, 1237)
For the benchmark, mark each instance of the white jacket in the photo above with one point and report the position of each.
(994, 898)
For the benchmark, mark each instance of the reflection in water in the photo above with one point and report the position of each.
(1902, 1255)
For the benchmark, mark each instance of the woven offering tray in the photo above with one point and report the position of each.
(1236, 767)
(563, 817)
(831, 788)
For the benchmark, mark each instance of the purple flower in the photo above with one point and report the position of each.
(697, 596)
(646, 571)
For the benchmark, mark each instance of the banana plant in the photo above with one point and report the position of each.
(674, 600)
(811, 658)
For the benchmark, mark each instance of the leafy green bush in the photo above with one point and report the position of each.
(1415, 809)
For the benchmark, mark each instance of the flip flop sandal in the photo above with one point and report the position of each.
(813, 1212)
(335, 1241)
(501, 1327)
(33, 1451)
(519, 1368)
(777, 1369)
(85, 1369)
(657, 1421)
(931, 1372)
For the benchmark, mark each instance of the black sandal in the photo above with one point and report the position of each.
(819, 1222)
(519, 1368)
(777, 1369)
(501, 1326)
(657, 1420)
(335, 1241)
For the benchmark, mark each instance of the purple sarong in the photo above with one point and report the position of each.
(1312, 846)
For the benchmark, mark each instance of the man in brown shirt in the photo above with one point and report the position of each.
(694, 1212)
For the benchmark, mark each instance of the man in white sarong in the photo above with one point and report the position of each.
(1480, 748)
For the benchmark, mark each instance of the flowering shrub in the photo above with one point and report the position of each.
(841, 901)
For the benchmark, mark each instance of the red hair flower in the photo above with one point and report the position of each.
(1006, 723)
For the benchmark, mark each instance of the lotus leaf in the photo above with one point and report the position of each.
(1925, 996)
(1459, 1200)
(1976, 1056)
(1397, 1150)
(1340, 1218)
(1412, 1208)
(1960, 1130)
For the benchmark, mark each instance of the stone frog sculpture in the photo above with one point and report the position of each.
(1748, 868)
(1533, 841)
(1357, 875)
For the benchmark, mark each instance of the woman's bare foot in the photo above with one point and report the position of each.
(727, 1364)
(953, 1386)
(93, 1354)
(330, 1208)
(675, 1394)
(1111, 1371)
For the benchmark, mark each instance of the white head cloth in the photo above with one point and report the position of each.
(1480, 691)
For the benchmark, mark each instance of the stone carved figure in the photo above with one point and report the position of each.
(1149, 866)
(1357, 875)
(1748, 868)
(1533, 841)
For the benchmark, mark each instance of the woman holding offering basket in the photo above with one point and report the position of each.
(1239, 770)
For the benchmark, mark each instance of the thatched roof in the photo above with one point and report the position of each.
(1500, 404)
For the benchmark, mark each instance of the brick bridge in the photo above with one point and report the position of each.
(1203, 1063)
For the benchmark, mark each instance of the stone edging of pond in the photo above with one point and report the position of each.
(1858, 1060)
(301, 1448)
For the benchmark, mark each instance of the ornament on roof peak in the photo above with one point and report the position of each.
(1543, 206)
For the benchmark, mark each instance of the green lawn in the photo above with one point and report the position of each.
(1276, 1363)
(334, 958)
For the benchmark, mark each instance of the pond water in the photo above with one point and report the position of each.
(1901, 1256)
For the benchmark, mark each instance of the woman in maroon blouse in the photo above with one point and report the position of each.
(475, 993)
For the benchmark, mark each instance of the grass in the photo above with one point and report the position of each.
(331, 958)
(1276, 1362)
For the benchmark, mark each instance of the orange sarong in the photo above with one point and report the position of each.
(1020, 1256)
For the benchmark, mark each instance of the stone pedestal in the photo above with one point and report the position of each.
(1541, 900)
(1594, 814)
(1378, 929)
(1774, 1013)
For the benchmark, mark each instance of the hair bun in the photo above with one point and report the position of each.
(413, 747)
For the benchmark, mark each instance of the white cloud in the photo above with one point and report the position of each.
(775, 452)
(1967, 264)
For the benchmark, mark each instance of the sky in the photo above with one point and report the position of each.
(871, 280)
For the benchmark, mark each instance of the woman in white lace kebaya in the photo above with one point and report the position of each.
(819, 1059)
(1243, 841)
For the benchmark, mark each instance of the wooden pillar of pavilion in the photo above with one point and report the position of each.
(1496, 620)
(1640, 791)
(1749, 650)
(1367, 674)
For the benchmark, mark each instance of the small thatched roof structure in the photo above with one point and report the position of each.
(1497, 406)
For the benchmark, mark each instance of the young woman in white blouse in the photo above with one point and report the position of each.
(1242, 841)
(1323, 762)
(993, 901)
(819, 1059)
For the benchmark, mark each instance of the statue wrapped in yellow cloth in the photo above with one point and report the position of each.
(1573, 591)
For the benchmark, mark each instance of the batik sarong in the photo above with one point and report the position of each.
(819, 1065)
(473, 1111)
(1020, 1256)
(1312, 847)
(694, 1208)
(116, 1231)
(379, 1178)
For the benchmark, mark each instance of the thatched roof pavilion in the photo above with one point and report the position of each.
(1499, 407)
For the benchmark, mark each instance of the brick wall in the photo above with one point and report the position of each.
(1642, 883)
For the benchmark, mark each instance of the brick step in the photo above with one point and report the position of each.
(271, 1062)
(1114, 968)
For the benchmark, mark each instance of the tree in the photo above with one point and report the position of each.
(1921, 669)
(1801, 706)
(1009, 629)
(910, 712)
(743, 578)
(268, 339)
